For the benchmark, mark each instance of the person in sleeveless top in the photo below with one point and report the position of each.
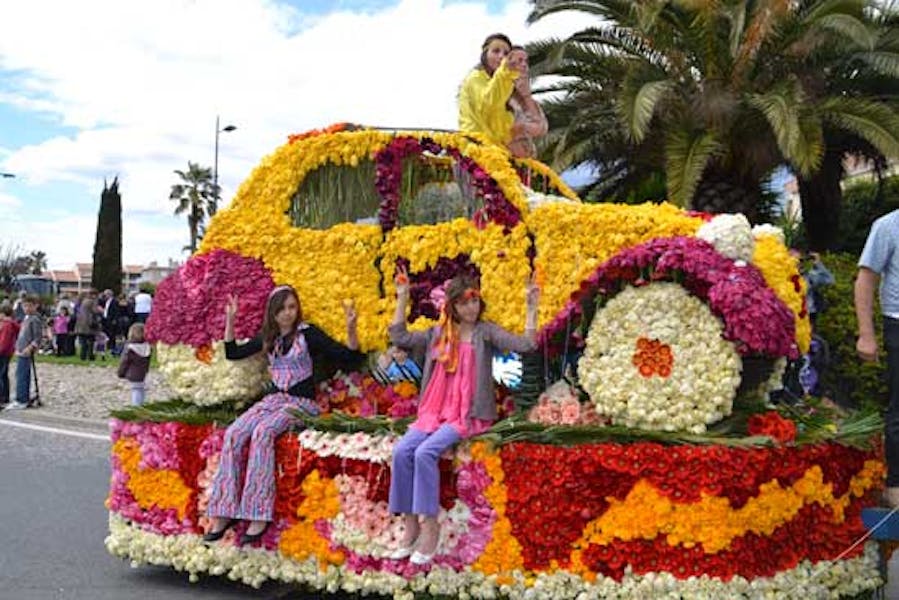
(243, 488)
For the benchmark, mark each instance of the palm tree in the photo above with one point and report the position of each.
(716, 94)
(195, 195)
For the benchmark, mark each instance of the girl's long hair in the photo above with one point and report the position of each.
(270, 329)
(484, 47)
(447, 344)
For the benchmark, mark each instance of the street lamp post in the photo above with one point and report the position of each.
(215, 166)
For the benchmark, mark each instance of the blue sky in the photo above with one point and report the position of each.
(131, 90)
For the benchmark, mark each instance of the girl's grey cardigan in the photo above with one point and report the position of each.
(486, 338)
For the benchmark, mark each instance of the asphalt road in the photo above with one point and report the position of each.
(53, 522)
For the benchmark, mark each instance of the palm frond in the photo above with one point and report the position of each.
(615, 10)
(851, 28)
(782, 108)
(876, 122)
(637, 103)
(880, 61)
(687, 153)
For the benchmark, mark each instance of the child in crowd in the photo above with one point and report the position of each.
(101, 345)
(457, 401)
(61, 331)
(396, 365)
(27, 343)
(244, 485)
(135, 363)
(9, 331)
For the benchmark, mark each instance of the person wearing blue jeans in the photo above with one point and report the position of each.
(879, 264)
(26, 345)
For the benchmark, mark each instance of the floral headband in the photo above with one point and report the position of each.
(471, 293)
(277, 289)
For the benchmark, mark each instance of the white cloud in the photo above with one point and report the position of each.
(142, 82)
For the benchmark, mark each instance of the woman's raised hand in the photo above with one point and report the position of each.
(349, 313)
(231, 307)
(532, 293)
(401, 281)
(532, 297)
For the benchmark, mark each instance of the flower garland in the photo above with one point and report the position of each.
(655, 358)
(389, 174)
(189, 305)
(214, 381)
(754, 317)
(781, 273)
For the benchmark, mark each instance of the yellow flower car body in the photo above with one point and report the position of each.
(310, 212)
(355, 261)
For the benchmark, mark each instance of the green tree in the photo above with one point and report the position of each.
(107, 268)
(195, 195)
(715, 94)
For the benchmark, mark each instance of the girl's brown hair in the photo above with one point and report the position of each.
(447, 343)
(136, 333)
(492, 37)
(455, 291)
(270, 329)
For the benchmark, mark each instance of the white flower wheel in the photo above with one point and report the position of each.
(655, 359)
(214, 380)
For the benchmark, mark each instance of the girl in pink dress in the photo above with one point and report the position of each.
(457, 401)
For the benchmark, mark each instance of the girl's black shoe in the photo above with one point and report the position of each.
(249, 538)
(214, 536)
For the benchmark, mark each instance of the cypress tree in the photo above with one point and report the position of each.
(107, 270)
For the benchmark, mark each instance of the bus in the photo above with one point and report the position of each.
(37, 285)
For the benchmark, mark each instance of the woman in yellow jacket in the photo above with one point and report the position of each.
(485, 93)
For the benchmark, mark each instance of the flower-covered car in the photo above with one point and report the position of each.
(334, 212)
(619, 481)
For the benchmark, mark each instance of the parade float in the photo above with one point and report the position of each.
(638, 457)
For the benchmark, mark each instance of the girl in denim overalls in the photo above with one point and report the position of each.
(246, 491)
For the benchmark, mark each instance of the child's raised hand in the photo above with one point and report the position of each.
(532, 293)
(401, 281)
(349, 313)
(231, 307)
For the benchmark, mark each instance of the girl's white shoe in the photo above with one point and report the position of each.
(401, 553)
(420, 559)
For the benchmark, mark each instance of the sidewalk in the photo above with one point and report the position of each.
(87, 392)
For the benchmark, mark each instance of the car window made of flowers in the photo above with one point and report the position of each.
(432, 190)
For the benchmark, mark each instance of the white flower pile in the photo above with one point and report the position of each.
(731, 235)
(359, 445)
(187, 552)
(769, 229)
(705, 372)
(218, 382)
